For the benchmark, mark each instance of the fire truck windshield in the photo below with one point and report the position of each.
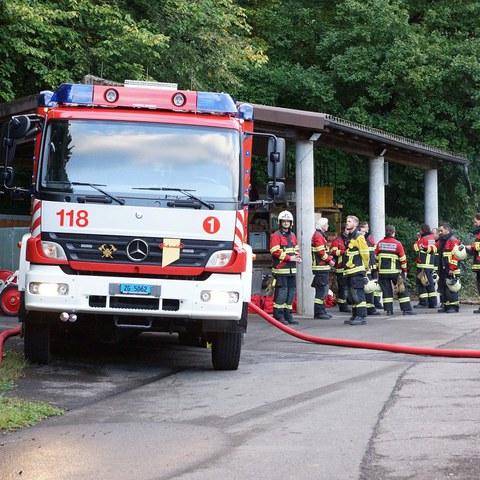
(122, 156)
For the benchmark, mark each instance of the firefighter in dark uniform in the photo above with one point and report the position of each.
(370, 297)
(426, 265)
(474, 250)
(355, 271)
(392, 271)
(337, 250)
(448, 271)
(322, 262)
(285, 255)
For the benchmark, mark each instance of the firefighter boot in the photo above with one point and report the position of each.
(289, 317)
(278, 315)
(358, 321)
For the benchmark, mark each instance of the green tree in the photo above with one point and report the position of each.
(405, 66)
(196, 44)
(45, 43)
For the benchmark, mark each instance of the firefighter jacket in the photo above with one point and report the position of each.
(357, 257)
(476, 250)
(448, 262)
(337, 250)
(320, 253)
(426, 252)
(371, 251)
(391, 258)
(283, 245)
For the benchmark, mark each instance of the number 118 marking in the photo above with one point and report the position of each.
(72, 218)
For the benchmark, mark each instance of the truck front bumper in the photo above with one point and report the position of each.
(220, 296)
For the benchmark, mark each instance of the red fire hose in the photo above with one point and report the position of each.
(6, 334)
(438, 352)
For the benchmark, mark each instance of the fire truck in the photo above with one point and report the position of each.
(140, 197)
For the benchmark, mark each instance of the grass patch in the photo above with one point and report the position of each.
(16, 413)
(12, 367)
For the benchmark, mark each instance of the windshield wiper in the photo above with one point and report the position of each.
(187, 193)
(96, 187)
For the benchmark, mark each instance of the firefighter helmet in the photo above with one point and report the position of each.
(285, 215)
(453, 284)
(372, 286)
(460, 252)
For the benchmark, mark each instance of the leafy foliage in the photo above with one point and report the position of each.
(405, 66)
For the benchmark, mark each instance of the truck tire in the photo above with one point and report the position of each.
(226, 348)
(10, 300)
(36, 341)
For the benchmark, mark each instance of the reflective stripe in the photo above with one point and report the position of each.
(321, 268)
(284, 271)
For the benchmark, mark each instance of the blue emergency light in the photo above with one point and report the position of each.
(215, 102)
(73, 93)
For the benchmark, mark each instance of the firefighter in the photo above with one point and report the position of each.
(285, 256)
(337, 250)
(392, 272)
(370, 296)
(474, 250)
(322, 262)
(355, 271)
(426, 265)
(448, 271)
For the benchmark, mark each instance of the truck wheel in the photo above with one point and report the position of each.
(36, 341)
(226, 348)
(10, 300)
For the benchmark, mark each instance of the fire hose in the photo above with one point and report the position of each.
(6, 334)
(438, 352)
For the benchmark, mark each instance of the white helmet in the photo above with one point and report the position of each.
(285, 215)
(372, 286)
(460, 252)
(453, 284)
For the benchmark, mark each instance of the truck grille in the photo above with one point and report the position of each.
(110, 249)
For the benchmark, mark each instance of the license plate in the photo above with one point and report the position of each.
(135, 288)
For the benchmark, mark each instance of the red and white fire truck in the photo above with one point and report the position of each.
(139, 219)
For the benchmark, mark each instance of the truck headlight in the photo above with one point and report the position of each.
(220, 258)
(218, 297)
(53, 250)
(48, 289)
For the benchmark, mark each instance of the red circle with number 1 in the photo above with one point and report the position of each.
(211, 224)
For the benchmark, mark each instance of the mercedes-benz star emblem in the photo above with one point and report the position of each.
(137, 250)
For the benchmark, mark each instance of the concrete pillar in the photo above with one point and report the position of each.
(305, 224)
(431, 197)
(377, 198)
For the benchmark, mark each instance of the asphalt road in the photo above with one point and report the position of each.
(152, 409)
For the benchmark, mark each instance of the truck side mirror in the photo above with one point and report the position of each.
(276, 191)
(20, 125)
(276, 158)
